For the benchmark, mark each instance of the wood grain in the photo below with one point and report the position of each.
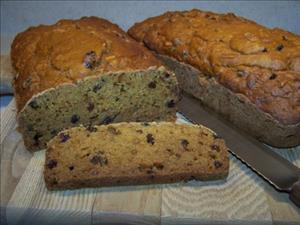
(14, 157)
(32, 204)
(8, 120)
(131, 205)
(243, 199)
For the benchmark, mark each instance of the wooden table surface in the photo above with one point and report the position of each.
(243, 199)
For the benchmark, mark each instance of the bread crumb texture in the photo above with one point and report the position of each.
(134, 153)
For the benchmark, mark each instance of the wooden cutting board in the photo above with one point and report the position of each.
(243, 199)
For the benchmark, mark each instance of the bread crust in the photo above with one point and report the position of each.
(237, 108)
(70, 50)
(254, 69)
(262, 64)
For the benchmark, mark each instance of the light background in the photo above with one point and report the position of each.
(18, 15)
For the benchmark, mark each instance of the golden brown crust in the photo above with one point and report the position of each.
(70, 50)
(262, 64)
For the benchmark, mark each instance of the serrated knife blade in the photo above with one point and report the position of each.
(278, 171)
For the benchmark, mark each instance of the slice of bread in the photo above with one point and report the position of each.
(134, 153)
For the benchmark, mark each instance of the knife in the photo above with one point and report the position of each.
(278, 171)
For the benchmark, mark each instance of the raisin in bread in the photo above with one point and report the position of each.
(134, 153)
(86, 71)
(245, 71)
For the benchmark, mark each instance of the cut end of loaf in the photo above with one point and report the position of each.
(134, 154)
(146, 95)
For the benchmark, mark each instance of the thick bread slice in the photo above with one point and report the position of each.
(145, 95)
(134, 153)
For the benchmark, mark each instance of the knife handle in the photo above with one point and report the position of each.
(295, 193)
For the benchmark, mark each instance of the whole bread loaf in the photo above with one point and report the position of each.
(248, 73)
(134, 153)
(86, 71)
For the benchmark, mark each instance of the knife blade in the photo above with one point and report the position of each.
(278, 171)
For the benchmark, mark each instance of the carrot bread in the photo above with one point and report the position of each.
(248, 73)
(86, 71)
(134, 153)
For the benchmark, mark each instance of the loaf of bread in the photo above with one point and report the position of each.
(86, 71)
(248, 73)
(134, 153)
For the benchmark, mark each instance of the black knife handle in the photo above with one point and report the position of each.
(295, 193)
